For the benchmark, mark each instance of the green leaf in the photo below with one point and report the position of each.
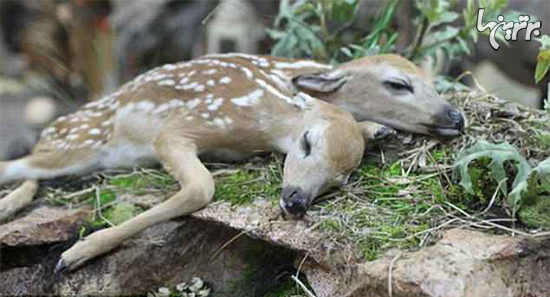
(347, 51)
(545, 42)
(498, 153)
(344, 11)
(543, 64)
(447, 33)
(446, 17)
(538, 180)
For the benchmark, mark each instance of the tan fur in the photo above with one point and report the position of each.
(224, 107)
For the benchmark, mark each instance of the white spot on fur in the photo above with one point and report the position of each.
(174, 103)
(47, 131)
(247, 72)
(107, 122)
(162, 108)
(145, 106)
(225, 80)
(94, 131)
(114, 105)
(250, 99)
(211, 82)
(302, 100)
(205, 115)
(199, 88)
(193, 103)
(166, 82)
(216, 104)
(190, 86)
(273, 90)
(210, 71)
(219, 122)
(302, 64)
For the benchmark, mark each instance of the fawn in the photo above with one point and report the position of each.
(229, 107)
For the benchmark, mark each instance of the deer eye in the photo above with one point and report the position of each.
(399, 86)
(305, 145)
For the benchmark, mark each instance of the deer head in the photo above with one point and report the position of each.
(328, 146)
(386, 89)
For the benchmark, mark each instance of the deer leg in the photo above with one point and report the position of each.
(18, 199)
(36, 166)
(197, 189)
(375, 131)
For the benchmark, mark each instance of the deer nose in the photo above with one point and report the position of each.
(294, 201)
(456, 118)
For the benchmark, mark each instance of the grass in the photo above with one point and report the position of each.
(250, 181)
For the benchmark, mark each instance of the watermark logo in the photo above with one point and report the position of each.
(511, 28)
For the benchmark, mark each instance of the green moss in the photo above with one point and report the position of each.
(543, 140)
(134, 182)
(121, 212)
(245, 185)
(536, 215)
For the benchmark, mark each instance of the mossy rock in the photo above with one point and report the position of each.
(536, 215)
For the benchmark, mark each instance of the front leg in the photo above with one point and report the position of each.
(375, 131)
(180, 159)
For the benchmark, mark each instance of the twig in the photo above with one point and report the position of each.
(301, 263)
(209, 16)
(390, 293)
(306, 290)
(494, 196)
(227, 244)
(78, 193)
(98, 199)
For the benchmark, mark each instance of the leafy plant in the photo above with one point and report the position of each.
(543, 64)
(436, 30)
(528, 182)
(322, 30)
(543, 59)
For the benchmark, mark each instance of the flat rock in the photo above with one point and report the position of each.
(462, 264)
(215, 243)
(43, 225)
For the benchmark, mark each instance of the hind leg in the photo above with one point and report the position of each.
(197, 189)
(18, 199)
(40, 165)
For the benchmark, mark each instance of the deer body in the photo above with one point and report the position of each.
(225, 107)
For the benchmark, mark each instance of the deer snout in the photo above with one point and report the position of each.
(456, 119)
(449, 122)
(294, 201)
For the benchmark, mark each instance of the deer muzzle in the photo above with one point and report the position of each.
(294, 202)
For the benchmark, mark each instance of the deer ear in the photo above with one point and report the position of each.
(321, 82)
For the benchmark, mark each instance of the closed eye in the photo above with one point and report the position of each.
(305, 145)
(400, 86)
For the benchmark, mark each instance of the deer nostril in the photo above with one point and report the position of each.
(456, 117)
(294, 201)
